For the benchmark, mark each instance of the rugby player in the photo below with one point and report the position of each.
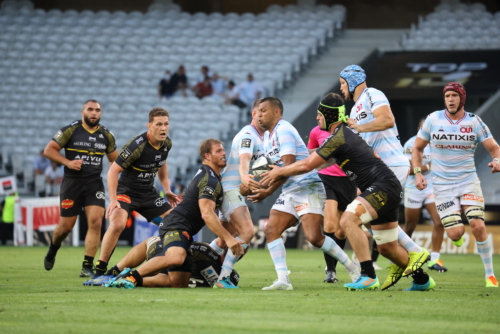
(378, 203)
(302, 197)
(205, 267)
(372, 118)
(85, 143)
(415, 199)
(246, 147)
(139, 161)
(453, 135)
(202, 197)
(340, 191)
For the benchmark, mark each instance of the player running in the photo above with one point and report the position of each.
(202, 197)
(371, 116)
(378, 203)
(85, 143)
(340, 191)
(416, 199)
(246, 147)
(139, 161)
(302, 197)
(453, 135)
(205, 267)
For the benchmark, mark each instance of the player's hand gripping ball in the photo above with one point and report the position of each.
(261, 165)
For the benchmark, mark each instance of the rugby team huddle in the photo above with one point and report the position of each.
(347, 182)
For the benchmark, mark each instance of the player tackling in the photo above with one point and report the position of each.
(453, 135)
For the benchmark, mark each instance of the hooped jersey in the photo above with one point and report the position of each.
(283, 140)
(385, 143)
(248, 140)
(141, 161)
(82, 144)
(453, 144)
(410, 181)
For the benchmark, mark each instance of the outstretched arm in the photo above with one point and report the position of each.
(300, 167)
(384, 119)
(493, 148)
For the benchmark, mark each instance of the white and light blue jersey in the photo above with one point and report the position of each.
(410, 181)
(385, 143)
(248, 140)
(453, 144)
(283, 140)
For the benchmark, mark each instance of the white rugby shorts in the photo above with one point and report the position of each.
(415, 199)
(450, 198)
(300, 201)
(401, 173)
(232, 200)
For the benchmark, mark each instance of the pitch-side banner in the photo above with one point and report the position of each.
(7, 185)
(415, 75)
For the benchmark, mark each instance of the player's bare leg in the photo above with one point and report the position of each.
(61, 231)
(94, 215)
(333, 230)
(117, 223)
(437, 239)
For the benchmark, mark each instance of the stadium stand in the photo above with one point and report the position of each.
(52, 61)
(439, 30)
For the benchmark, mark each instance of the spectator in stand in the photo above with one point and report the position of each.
(164, 87)
(53, 179)
(250, 90)
(179, 81)
(203, 88)
(41, 163)
(218, 84)
(233, 97)
(205, 72)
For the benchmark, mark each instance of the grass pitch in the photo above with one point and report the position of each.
(33, 300)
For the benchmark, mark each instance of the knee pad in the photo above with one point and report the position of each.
(474, 212)
(385, 236)
(452, 220)
(365, 217)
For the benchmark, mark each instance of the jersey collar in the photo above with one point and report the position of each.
(452, 121)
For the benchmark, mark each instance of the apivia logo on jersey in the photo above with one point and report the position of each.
(89, 159)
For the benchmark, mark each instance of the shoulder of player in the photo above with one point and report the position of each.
(72, 125)
(168, 142)
(136, 142)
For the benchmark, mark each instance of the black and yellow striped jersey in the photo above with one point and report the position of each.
(82, 144)
(141, 161)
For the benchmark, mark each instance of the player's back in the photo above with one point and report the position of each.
(248, 140)
(385, 143)
(452, 145)
(283, 140)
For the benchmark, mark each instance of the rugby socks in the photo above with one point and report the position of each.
(434, 256)
(138, 278)
(406, 242)
(331, 248)
(331, 262)
(88, 261)
(229, 262)
(53, 249)
(100, 268)
(114, 271)
(486, 253)
(367, 269)
(216, 248)
(375, 252)
(420, 277)
(278, 255)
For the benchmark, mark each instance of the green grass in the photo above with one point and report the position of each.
(33, 300)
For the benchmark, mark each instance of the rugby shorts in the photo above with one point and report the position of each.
(77, 193)
(302, 200)
(232, 200)
(148, 202)
(415, 199)
(339, 189)
(384, 197)
(450, 198)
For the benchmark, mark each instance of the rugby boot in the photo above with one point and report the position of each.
(437, 266)
(430, 285)
(279, 285)
(415, 261)
(492, 282)
(225, 283)
(363, 283)
(395, 274)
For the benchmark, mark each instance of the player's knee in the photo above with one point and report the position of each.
(477, 226)
(316, 239)
(247, 234)
(117, 225)
(452, 220)
(271, 232)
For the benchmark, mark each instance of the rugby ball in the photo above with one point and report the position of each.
(261, 165)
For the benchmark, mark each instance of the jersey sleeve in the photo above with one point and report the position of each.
(209, 187)
(287, 141)
(246, 144)
(377, 99)
(111, 139)
(330, 147)
(313, 139)
(63, 136)
(482, 130)
(425, 131)
(129, 153)
(168, 144)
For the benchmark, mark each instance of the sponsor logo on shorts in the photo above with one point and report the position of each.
(67, 203)
(301, 207)
(472, 197)
(159, 201)
(208, 191)
(58, 134)
(100, 195)
(100, 146)
(246, 142)
(413, 201)
(280, 201)
(184, 233)
(124, 198)
(125, 154)
(445, 205)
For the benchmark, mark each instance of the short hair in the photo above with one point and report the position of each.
(206, 146)
(256, 103)
(274, 102)
(91, 100)
(157, 112)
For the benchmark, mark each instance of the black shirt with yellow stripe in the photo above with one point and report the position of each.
(141, 161)
(89, 146)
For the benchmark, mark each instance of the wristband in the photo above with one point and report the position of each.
(497, 160)
(417, 170)
(428, 167)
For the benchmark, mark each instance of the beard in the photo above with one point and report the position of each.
(89, 122)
